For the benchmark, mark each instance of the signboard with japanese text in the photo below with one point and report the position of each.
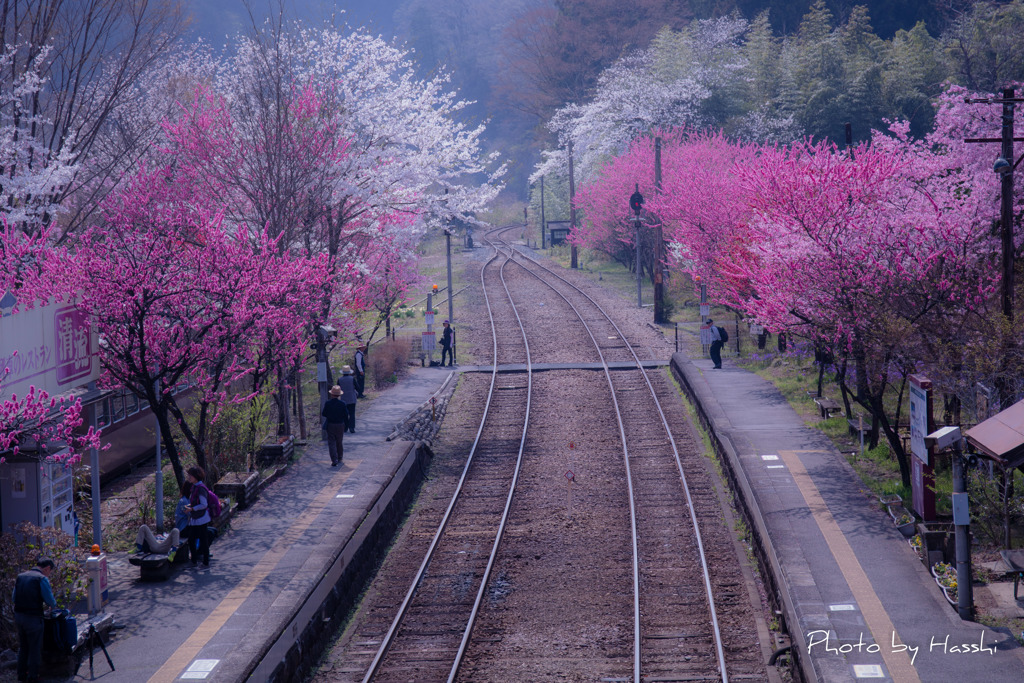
(50, 347)
(429, 341)
(922, 474)
(705, 334)
(918, 422)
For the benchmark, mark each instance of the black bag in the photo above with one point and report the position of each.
(723, 334)
(60, 632)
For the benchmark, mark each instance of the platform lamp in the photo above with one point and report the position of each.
(636, 203)
(950, 437)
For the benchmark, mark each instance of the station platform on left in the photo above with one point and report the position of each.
(279, 575)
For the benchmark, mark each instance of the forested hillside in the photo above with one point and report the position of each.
(780, 67)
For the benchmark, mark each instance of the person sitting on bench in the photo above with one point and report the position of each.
(148, 542)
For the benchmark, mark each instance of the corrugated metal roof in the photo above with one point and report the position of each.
(1001, 436)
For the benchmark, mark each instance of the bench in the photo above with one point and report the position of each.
(158, 566)
(1014, 562)
(152, 566)
(855, 429)
(827, 406)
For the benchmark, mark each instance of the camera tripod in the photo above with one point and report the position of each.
(91, 640)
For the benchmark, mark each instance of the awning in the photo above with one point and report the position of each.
(1001, 437)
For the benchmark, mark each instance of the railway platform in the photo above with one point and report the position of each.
(279, 566)
(858, 602)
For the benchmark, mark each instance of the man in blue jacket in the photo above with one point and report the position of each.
(31, 592)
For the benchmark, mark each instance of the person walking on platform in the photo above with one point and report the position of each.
(347, 383)
(199, 517)
(360, 369)
(31, 593)
(447, 342)
(716, 345)
(335, 414)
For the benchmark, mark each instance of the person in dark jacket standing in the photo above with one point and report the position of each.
(31, 592)
(335, 415)
(447, 342)
(360, 370)
(348, 395)
(716, 345)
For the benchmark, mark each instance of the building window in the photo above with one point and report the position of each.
(131, 404)
(103, 413)
(117, 406)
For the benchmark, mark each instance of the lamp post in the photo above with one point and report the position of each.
(636, 202)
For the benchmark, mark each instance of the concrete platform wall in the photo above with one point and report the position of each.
(743, 497)
(293, 655)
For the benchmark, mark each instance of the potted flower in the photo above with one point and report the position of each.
(945, 578)
(916, 543)
(903, 520)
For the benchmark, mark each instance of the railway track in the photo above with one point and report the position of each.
(429, 634)
(676, 629)
(520, 583)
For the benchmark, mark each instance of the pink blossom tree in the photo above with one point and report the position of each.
(178, 299)
(862, 250)
(39, 419)
(391, 261)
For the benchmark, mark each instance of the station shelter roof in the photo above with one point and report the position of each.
(1001, 437)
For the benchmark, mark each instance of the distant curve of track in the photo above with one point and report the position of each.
(612, 584)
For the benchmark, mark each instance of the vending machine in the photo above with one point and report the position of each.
(36, 491)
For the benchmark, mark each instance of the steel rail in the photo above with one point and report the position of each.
(679, 465)
(418, 578)
(512, 487)
(629, 476)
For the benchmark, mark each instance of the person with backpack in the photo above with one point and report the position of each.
(200, 516)
(447, 343)
(718, 339)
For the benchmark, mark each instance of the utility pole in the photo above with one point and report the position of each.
(542, 227)
(451, 292)
(1006, 205)
(659, 246)
(572, 207)
(1005, 166)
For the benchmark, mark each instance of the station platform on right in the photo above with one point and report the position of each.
(857, 601)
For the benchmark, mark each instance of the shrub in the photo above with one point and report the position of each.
(19, 551)
(387, 361)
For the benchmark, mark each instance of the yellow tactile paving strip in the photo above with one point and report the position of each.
(875, 616)
(183, 656)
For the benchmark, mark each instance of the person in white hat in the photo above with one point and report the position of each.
(335, 423)
(347, 382)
